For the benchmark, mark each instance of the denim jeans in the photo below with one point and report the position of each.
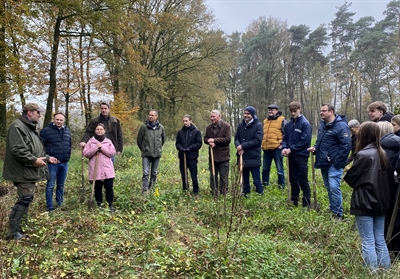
(192, 166)
(150, 167)
(298, 174)
(275, 154)
(255, 172)
(56, 172)
(374, 250)
(332, 177)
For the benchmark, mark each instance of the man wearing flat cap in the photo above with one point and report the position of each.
(248, 139)
(271, 145)
(25, 162)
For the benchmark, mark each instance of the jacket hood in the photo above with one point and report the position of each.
(28, 122)
(390, 141)
(191, 127)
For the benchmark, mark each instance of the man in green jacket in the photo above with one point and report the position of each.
(151, 138)
(25, 163)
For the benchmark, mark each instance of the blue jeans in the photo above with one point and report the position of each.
(332, 177)
(374, 250)
(146, 162)
(275, 154)
(255, 172)
(56, 172)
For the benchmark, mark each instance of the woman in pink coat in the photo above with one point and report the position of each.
(102, 147)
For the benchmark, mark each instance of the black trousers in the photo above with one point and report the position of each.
(98, 191)
(192, 166)
(298, 172)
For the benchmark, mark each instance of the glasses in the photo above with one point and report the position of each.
(323, 110)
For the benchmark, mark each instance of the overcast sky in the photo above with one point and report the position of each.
(236, 15)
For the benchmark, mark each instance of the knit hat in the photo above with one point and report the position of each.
(251, 110)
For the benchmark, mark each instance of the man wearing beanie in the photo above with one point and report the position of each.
(248, 139)
(271, 145)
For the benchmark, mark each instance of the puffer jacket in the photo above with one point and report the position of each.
(297, 136)
(189, 138)
(105, 166)
(113, 130)
(250, 137)
(57, 142)
(273, 131)
(371, 184)
(391, 144)
(222, 138)
(333, 144)
(23, 148)
(151, 139)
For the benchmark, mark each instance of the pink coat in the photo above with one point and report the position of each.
(105, 168)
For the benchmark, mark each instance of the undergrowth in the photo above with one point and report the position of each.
(173, 234)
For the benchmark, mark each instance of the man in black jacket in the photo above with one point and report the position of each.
(57, 142)
(188, 143)
(248, 139)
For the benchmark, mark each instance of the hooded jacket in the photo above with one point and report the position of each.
(250, 136)
(391, 144)
(151, 139)
(297, 136)
(57, 142)
(371, 184)
(105, 166)
(189, 139)
(333, 143)
(23, 148)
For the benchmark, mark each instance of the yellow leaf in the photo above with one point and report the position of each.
(63, 274)
(75, 249)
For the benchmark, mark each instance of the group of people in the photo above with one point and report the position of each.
(374, 147)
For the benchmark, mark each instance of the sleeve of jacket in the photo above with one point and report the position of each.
(197, 142)
(43, 136)
(108, 149)
(120, 138)
(225, 138)
(19, 149)
(140, 137)
(90, 149)
(305, 138)
(89, 132)
(284, 142)
(353, 175)
(162, 135)
(344, 146)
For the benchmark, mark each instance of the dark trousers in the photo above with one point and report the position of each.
(298, 169)
(255, 172)
(192, 166)
(98, 191)
(222, 171)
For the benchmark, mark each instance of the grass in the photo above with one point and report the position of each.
(177, 235)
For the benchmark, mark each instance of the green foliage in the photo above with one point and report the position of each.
(173, 234)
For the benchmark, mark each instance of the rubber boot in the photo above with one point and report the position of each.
(16, 215)
(24, 221)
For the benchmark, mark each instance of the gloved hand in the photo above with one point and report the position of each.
(187, 149)
(182, 149)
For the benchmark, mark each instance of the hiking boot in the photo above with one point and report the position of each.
(15, 236)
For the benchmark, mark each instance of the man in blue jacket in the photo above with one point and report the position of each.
(248, 139)
(57, 142)
(331, 150)
(296, 139)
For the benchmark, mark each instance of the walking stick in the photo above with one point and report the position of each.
(215, 190)
(314, 205)
(394, 216)
(289, 200)
(82, 190)
(91, 204)
(185, 169)
(241, 172)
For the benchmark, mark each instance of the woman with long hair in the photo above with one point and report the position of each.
(370, 177)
